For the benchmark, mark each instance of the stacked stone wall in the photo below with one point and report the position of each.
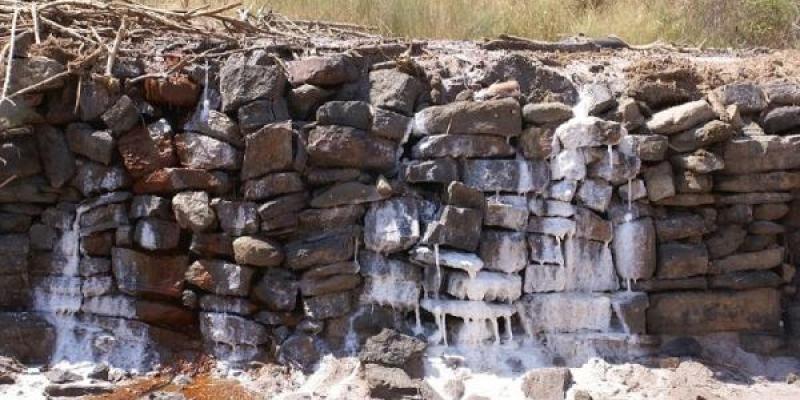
(293, 207)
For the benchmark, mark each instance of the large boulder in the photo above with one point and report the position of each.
(681, 118)
(334, 146)
(147, 149)
(394, 349)
(457, 227)
(270, 149)
(494, 117)
(392, 225)
(204, 152)
(57, 159)
(240, 82)
(635, 249)
(141, 274)
(257, 251)
(323, 71)
(27, 337)
(517, 176)
(394, 90)
(193, 211)
(760, 154)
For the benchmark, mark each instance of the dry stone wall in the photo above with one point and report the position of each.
(260, 207)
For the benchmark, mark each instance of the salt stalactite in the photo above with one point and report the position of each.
(630, 195)
(476, 317)
(610, 158)
(509, 332)
(206, 107)
(438, 276)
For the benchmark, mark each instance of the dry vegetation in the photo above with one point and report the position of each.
(714, 23)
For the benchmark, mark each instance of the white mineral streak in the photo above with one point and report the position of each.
(630, 197)
(486, 286)
(206, 107)
(525, 178)
(448, 258)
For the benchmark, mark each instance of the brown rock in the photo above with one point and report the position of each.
(145, 150)
(141, 274)
(697, 313)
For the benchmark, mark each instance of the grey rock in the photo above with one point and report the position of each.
(217, 125)
(220, 277)
(537, 142)
(635, 249)
(344, 147)
(506, 215)
(242, 82)
(122, 116)
(748, 97)
(515, 176)
(589, 132)
(391, 225)
(238, 330)
(329, 248)
(299, 351)
(277, 290)
(680, 118)
(761, 153)
(630, 308)
(595, 194)
(456, 227)
(236, 218)
(57, 160)
(257, 252)
(546, 113)
(646, 147)
(394, 90)
(780, 119)
(155, 234)
(703, 136)
(328, 306)
(253, 116)
(681, 260)
(504, 251)
(493, 117)
(679, 226)
(461, 146)
(144, 206)
(204, 152)
(356, 114)
(272, 185)
(351, 193)
(211, 244)
(328, 284)
(440, 170)
(323, 71)
(659, 181)
(768, 181)
(725, 240)
(96, 145)
(758, 260)
(390, 125)
(700, 161)
(589, 266)
(193, 211)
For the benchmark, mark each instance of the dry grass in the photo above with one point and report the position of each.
(718, 23)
